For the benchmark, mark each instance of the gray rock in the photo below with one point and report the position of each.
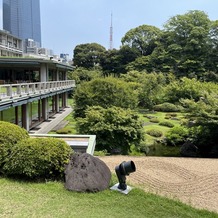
(86, 173)
(188, 150)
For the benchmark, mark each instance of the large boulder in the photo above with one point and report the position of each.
(86, 173)
(188, 149)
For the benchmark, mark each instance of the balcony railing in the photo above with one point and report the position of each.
(11, 48)
(14, 91)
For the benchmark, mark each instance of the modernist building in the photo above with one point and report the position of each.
(32, 90)
(10, 45)
(22, 19)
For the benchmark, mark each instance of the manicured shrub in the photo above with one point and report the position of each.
(10, 134)
(38, 158)
(154, 132)
(154, 120)
(166, 123)
(172, 114)
(167, 107)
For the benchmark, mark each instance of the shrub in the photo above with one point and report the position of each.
(143, 148)
(167, 117)
(101, 153)
(154, 132)
(116, 128)
(154, 120)
(167, 107)
(64, 130)
(105, 92)
(172, 114)
(10, 134)
(38, 158)
(166, 123)
(177, 135)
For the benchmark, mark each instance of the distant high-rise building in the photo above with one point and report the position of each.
(22, 19)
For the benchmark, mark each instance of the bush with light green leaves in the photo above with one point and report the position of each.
(10, 135)
(38, 158)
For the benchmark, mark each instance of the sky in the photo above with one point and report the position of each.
(68, 23)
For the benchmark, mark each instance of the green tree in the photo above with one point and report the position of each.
(104, 92)
(116, 128)
(186, 40)
(149, 87)
(213, 52)
(115, 61)
(143, 38)
(88, 55)
(151, 91)
(204, 117)
(83, 75)
(184, 88)
(110, 62)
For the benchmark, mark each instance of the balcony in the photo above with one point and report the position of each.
(11, 48)
(27, 90)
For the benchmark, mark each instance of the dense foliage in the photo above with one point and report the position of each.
(143, 38)
(81, 74)
(177, 135)
(168, 70)
(204, 132)
(38, 158)
(187, 46)
(10, 135)
(104, 92)
(88, 55)
(116, 128)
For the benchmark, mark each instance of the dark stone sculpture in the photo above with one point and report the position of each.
(86, 173)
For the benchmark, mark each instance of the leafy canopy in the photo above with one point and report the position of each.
(88, 55)
(104, 92)
(116, 128)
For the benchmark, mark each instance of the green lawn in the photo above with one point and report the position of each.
(157, 149)
(25, 199)
(161, 116)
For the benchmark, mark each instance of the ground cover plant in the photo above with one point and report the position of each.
(25, 199)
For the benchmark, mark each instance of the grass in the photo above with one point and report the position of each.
(25, 199)
(161, 117)
(70, 128)
(155, 148)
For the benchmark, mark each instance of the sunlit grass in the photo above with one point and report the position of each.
(21, 199)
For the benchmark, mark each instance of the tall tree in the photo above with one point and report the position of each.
(213, 52)
(88, 55)
(143, 38)
(187, 42)
(115, 61)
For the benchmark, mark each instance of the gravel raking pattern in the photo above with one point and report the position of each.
(192, 181)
